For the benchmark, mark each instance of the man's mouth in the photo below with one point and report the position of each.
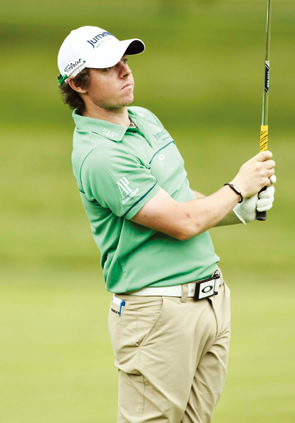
(127, 86)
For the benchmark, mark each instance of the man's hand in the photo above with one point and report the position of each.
(255, 174)
(246, 211)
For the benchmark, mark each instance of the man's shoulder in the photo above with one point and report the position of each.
(142, 112)
(138, 111)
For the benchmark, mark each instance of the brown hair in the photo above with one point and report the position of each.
(70, 96)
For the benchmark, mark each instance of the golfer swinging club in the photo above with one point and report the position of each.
(169, 318)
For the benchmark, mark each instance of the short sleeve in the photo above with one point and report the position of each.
(117, 181)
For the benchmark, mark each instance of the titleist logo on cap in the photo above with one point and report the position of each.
(98, 38)
(72, 65)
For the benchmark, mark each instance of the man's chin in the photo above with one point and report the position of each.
(129, 100)
(125, 104)
(129, 104)
(119, 107)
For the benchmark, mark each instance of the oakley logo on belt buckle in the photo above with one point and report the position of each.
(207, 288)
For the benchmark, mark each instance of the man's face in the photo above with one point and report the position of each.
(110, 88)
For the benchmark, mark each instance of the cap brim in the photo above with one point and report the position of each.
(110, 53)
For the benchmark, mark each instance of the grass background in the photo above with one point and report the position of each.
(202, 74)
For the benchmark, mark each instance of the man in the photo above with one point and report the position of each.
(169, 318)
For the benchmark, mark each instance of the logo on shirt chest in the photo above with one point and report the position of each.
(125, 190)
(163, 135)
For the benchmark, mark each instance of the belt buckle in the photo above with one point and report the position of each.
(207, 287)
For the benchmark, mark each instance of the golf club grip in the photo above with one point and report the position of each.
(261, 215)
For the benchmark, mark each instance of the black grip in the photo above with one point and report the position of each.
(261, 215)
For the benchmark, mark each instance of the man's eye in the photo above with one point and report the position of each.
(106, 69)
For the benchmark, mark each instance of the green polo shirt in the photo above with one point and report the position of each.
(118, 170)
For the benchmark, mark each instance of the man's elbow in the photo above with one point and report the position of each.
(183, 236)
(187, 231)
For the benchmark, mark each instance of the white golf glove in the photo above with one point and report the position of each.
(246, 211)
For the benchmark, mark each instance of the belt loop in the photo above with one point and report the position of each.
(184, 288)
(221, 276)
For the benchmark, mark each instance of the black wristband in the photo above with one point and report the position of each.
(236, 190)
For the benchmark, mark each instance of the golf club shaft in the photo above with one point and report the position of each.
(264, 124)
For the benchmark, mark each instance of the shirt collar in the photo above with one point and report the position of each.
(106, 129)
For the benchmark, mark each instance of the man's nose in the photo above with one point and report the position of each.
(124, 69)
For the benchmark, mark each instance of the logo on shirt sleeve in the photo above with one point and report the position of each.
(126, 192)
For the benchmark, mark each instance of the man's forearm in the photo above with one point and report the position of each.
(229, 219)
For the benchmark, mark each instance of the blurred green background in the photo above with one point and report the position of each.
(202, 74)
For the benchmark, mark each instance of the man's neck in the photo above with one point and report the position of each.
(117, 116)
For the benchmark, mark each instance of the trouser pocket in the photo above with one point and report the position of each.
(131, 324)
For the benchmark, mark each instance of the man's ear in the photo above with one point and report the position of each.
(75, 87)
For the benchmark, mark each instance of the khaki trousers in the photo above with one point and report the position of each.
(172, 356)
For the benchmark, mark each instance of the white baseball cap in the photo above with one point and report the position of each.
(92, 47)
